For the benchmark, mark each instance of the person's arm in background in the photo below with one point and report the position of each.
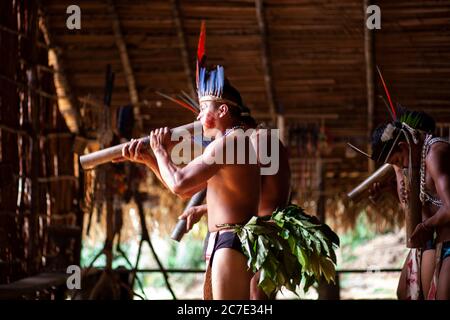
(439, 171)
(193, 215)
(401, 188)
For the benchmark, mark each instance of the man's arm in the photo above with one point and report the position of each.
(401, 187)
(193, 215)
(152, 164)
(439, 170)
(181, 180)
(136, 151)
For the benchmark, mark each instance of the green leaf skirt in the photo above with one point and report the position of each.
(290, 249)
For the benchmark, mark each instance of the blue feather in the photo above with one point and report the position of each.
(220, 80)
(212, 82)
(217, 84)
(202, 82)
(208, 84)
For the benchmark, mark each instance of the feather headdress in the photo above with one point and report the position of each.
(212, 84)
(404, 122)
(183, 100)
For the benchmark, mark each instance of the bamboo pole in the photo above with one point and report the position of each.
(66, 101)
(91, 160)
(35, 103)
(382, 174)
(370, 61)
(183, 46)
(268, 82)
(126, 63)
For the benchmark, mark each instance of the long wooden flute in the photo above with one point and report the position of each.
(384, 172)
(91, 160)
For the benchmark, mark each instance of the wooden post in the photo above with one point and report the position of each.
(282, 127)
(126, 64)
(370, 84)
(184, 47)
(33, 259)
(145, 237)
(320, 173)
(270, 90)
(109, 219)
(67, 103)
(326, 291)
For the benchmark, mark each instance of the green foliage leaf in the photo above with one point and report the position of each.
(289, 249)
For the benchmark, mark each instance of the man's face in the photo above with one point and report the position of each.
(399, 158)
(208, 116)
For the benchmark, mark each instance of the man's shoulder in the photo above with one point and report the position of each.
(439, 149)
(439, 154)
(217, 145)
(212, 147)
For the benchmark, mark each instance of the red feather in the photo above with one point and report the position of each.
(387, 94)
(201, 42)
(201, 50)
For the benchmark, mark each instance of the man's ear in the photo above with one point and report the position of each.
(223, 110)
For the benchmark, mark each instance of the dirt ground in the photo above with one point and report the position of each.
(385, 251)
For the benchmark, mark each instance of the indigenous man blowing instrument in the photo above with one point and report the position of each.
(232, 189)
(274, 193)
(284, 256)
(399, 144)
(418, 269)
(406, 143)
(232, 194)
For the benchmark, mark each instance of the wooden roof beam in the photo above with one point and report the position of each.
(370, 82)
(299, 116)
(184, 47)
(268, 82)
(126, 64)
(67, 102)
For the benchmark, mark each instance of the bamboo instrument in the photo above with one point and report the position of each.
(180, 228)
(91, 160)
(382, 174)
(413, 207)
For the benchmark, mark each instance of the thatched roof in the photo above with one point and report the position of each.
(309, 59)
(309, 63)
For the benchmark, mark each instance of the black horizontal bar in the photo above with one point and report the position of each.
(373, 270)
(171, 270)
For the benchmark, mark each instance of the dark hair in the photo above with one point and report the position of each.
(416, 119)
(232, 94)
(249, 121)
(377, 133)
(380, 148)
(422, 120)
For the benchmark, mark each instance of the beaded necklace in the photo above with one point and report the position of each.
(424, 195)
(228, 131)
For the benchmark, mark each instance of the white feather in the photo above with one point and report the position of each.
(388, 133)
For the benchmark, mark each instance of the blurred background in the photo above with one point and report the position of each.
(305, 67)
